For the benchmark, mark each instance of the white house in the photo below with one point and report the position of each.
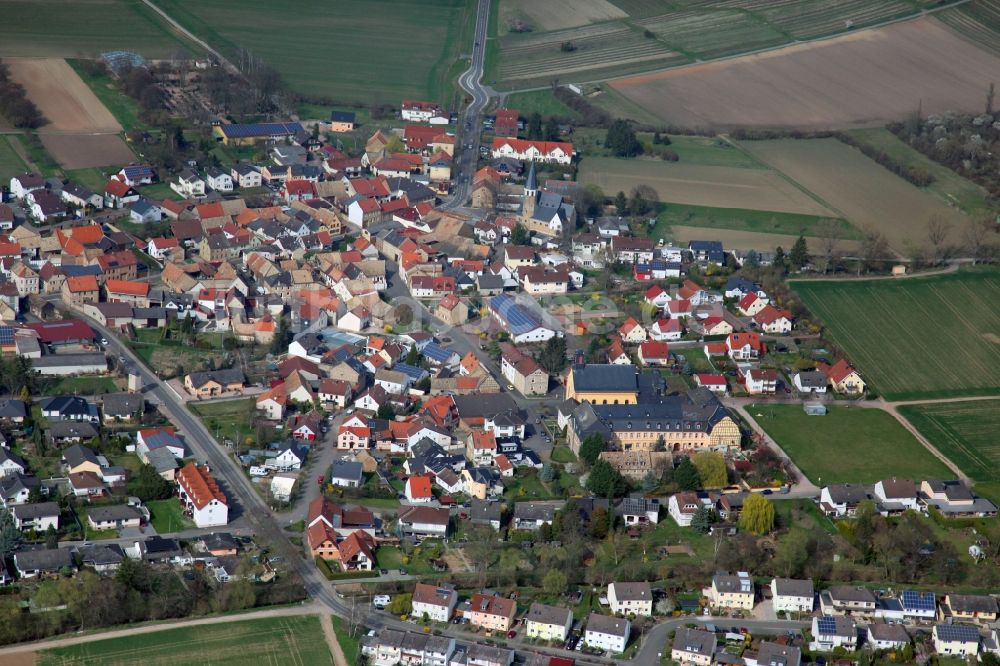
(693, 646)
(11, 463)
(683, 506)
(289, 458)
(831, 632)
(188, 185)
(895, 495)
(27, 182)
(631, 598)
(607, 633)
(246, 175)
(956, 639)
(532, 151)
(882, 636)
(38, 517)
(282, 485)
(792, 595)
(761, 381)
(810, 381)
(201, 496)
(437, 602)
(548, 623)
(219, 180)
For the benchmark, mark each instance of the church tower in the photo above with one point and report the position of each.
(530, 194)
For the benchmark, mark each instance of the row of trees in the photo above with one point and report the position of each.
(14, 103)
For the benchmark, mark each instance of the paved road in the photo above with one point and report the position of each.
(188, 34)
(470, 125)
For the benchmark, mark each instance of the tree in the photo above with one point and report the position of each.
(590, 201)
(395, 145)
(621, 140)
(780, 261)
(10, 536)
(791, 554)
(938, 230)
(554, 582)
(711, 467)
(401, 604)
(552, 356)
(591, 448)
(827, 233)
(650, 482)
(413, 356)
(702, 520)
(282, 337)
(980, 236)
(621, 204)
(149, 485)
(874, 247)
(51, 538)
(519, 235)
(599, 523)
(757, 516)
(799, 256)
(644, 199)
(551, 130)
(386, 412)
(686, 475)
(547, 473)
(535, 126)
(606, 481)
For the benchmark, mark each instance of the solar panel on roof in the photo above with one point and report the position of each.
(957, 632)
(918, 600)
(826, 625)
(6, 335)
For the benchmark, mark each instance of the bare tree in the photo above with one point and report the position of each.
(827, 231)
(989, 100)
(874, 248)
(938, 231)
(980, 237)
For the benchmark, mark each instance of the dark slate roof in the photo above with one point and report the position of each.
(99, 555)
(32, 511)
(43, 560)
(78, 454)
(604, 377)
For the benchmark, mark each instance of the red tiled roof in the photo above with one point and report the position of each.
(81, 283)
(419, 486)
(199, 485)
(127, 287)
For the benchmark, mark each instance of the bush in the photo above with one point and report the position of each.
(324, 568)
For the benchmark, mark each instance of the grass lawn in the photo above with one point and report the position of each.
(332, 54)
(158, 192)
(36, 152)
(167, 517)
(11, 163)
(277, 640)
(947, 184)
(349, 643)
(125, 109)
(89, 178)
(916, 338)
(526, 487)
(966, 432)
(231, 419)
(848, 445)
(709, 151)
(83, 386)
(543, 102)
(563, 454)
(388, 557)
(741, 219)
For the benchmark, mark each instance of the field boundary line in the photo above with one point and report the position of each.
(177, 27)
(339, 658)
(36, 646)
(903, 421)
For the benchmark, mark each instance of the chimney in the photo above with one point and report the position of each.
(581, 360)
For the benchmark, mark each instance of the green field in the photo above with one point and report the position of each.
(270, 641)
(83, 386)
(539, 101)
(167, 517)
(230, 419)
(742, 219)
(947, 184)
(125, 109)
(848, 445)
(966, 432)
(11, 163)
(368, 51)
(915, 338)
(75, 28)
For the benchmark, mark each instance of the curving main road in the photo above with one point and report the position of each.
(467, 150)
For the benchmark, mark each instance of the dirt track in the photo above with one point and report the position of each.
(62, 96)
(863, 78)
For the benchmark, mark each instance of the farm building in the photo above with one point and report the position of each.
(240, 134)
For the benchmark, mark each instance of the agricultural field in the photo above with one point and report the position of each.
(966, 432)
(542, 102)
(857, 188)
(557, 14)
(717, 186)
(848, 445)
(11, 163)
(86, 28)
(335, 53)
(823, 84)
(80, 132)
(948, 185)
(978, 21)
(915, 338)
(294, 640)
(742, 219)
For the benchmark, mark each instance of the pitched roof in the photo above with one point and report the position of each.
(199, 485)
(127, 287)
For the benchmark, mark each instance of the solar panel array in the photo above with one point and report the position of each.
(240, 131)
(923, 601)
(6, 335)
(957, 632)
(518, 319)
(826, 625)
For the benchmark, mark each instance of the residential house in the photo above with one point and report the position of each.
(522, 371)
(810, 381)
(122, 407)
(843, 377)
(846, 599)
(39, 516)
(653, 353)
(774, 654)
(731, 591)
(491, 612)
(713, 382)
(960, 640)
(424, 521)
(68, 408)
(744, 346)
(548, 623)
(44, 562)
(347, 474)
(631, 599)
(532, 515)
(201, 496)
(761, 381)
(693, 646)
(418, 489)
(189, 185)
(436, 602)
(968, 608)
(215, 382)
(896, 495)
(883, 636)
(842, 499)
(640, 511)
(113, 517)
(830, 632)
(11, 463)
(774, 321)
(953, 498)
(792, 595)
(607, 633)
